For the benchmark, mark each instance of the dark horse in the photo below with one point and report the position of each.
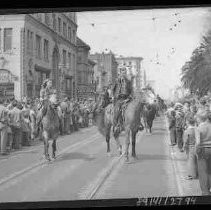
(104, 119)
(148, 116)
(50, 124)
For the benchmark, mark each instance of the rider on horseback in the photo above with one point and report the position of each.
(45, 97)
(122, 92)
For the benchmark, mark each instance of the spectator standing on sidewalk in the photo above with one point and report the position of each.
(203, 151)
(172, 128)
(179, 124)
(3, 129)
(25, 124)
(15, 122)
(189, 146)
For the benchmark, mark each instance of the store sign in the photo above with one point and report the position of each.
(6, 76)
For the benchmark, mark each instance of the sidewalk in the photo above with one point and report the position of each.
(37, 143)
(179, 160)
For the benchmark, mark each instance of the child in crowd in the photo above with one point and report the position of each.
(189, 139)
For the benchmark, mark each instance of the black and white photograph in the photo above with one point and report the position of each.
(106, 104)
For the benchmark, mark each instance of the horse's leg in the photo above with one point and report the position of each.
(134, 144)
(46, 145)
(108, 140)
(127, 143)
(54, 148)
(116, 137)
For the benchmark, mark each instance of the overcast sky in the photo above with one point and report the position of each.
(166, 36)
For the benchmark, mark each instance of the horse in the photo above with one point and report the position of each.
(50, 125)
(104, 120)
(149, 113)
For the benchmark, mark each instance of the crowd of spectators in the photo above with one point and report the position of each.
(190, 131)
(18, 125)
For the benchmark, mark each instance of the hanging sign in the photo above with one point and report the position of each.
(6, 76)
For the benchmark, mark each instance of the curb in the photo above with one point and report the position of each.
(185, 187)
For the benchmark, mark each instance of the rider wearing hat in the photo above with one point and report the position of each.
(122, 92)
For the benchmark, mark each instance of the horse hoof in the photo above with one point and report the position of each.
(48, 158)
(126, 160)
(135, 157)
(109, 154)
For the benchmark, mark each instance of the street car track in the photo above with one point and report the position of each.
(92, 189)
(44, 163)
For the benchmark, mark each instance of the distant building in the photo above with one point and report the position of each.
(132, 65)
(105, 69)
(34, 47)
(151, 83)
(85, 71)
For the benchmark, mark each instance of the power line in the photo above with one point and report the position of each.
(176, 14)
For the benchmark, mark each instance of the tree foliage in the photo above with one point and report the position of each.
(196, 73)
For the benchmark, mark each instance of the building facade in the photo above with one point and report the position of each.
(85, 72)
(105, 70)
(132, 65)
(151, 83)
(34, 47)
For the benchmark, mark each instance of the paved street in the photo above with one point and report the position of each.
(84, 171)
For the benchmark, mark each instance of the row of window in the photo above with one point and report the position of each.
(6, 39)
(58, 25)
(85, 77)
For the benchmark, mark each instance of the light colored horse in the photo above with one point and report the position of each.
(132, 118)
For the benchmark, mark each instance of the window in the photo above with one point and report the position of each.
(28, 40)
(59, 24)
(38, 46)
(31, 41)
(69, 60)
(79, 59)
(47, 19)
(7, 39)
(64, 57)
(46, 49)
(39, 16)
(69, 33)
(65, 29)
(73, 63)
(0, 39)
(79, 77)
(54, 21)
(73, 35)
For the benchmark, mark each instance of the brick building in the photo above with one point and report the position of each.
(105, 70)
(133, 65)
(85, 71)
(34, 47)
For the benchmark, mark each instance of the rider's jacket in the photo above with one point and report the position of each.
(123, 88)
(45, 93)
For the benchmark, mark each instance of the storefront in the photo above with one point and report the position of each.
(6, 84)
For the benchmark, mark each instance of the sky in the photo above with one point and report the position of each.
(163, 36)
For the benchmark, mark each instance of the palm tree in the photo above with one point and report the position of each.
(196, 73)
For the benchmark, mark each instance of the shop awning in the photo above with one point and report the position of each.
(42, 69)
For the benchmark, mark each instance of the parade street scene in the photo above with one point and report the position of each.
(105, 104)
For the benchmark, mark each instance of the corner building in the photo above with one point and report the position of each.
(34, 47)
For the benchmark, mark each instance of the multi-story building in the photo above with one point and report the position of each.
(85, 71)
(34, 47)
(105, 70)
(152, 84)
(133, 66)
